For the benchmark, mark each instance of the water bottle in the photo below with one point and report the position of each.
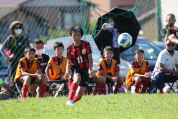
(153, 78)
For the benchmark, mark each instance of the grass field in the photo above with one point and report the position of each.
(121, 106)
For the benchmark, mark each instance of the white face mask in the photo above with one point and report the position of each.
(18, 31)
(110, 25)
(39, 52)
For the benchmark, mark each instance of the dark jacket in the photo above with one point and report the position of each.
(104, 38)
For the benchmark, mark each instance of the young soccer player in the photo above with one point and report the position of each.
(28, 70)
(57, 65)
(109, 69)
(138, 73)
(80, 62)
(42, 59)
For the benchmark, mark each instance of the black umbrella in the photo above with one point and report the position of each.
(124, 21)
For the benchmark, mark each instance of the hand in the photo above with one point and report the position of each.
(66, 75)
(114, 79)
(104, 26)
(39, 76)
(172, 37)
(176, 73)
(91, 74)
(147, 74)
(11, 56)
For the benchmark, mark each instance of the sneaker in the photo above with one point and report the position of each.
(176, 90)
(71, 102)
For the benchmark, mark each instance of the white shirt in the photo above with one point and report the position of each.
(165, 58)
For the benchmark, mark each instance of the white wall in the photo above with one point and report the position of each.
(169, 6)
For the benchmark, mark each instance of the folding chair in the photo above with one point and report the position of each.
(18, 88)
(168, 82)
(61, 90)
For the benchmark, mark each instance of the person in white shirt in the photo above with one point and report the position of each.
(166, 65)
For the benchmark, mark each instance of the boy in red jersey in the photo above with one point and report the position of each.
(80, 62)
(28, 70)
(108, 68)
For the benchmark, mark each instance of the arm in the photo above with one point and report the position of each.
(162, 68)
(103, 74)
(68, 67)
(173, 38)
(47, 72)
(23, 71)
(2, 50)
(90, 65)
(7, 88)
(139, 75)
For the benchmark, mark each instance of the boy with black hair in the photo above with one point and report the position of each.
(42, 59)
(108, 68)
(57, 64)
(138, 72)
(28, 70)
(80, 62)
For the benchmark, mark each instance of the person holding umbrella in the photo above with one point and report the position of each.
(110, 25)
(14, 46)
(109, 35)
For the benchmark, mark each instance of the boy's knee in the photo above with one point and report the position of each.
(77, 78)
(27, 78)
(138, 79)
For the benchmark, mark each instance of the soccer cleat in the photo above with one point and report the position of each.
(70, 102)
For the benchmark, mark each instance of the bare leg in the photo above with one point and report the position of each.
(5, 95)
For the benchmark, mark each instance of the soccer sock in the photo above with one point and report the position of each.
(69, 82)
(42, 90)
(145, 85)
(103, 88)
(72, 90)
(97, 86)
(24, 91)
(75, 99)
(118, 85)
(137, 86)
(100, 89)
(86, 91)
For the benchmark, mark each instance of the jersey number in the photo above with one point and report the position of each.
(79, 59)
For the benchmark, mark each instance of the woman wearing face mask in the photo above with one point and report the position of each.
(13, 48)
(42, 59)
(108, 36)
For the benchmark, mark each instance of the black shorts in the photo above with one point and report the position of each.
(109, 81)
(91, 80)
(20, 80)
(83, 73)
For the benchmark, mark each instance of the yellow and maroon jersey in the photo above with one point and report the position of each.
(57, 67)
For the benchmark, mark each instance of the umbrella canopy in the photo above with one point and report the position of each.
(124, 21)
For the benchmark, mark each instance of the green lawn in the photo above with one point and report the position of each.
(121, 106)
